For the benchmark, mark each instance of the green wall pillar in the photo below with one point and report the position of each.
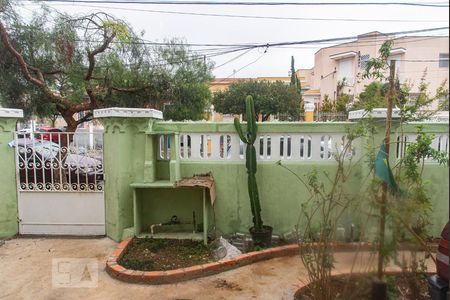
(174, 165)
(126, 146)
(8, 185)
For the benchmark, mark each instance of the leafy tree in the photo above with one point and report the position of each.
(340, 105)
(342, 102)
(327, 105)
(295, 81)
(374, 95)
(270, 98)
(58, 63)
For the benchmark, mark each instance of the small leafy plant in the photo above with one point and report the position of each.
(321, 214)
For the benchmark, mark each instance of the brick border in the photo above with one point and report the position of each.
(115, 270)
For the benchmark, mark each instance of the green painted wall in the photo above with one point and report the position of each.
(130, 151)
(159, 205)
(124, 144)
(8, 195)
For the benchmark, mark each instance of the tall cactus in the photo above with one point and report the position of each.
(250, 155)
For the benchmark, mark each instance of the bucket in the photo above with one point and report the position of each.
(262, 238)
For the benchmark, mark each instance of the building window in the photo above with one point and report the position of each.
(443, 60)
(398, 64)
(346, 71)
(363, 60)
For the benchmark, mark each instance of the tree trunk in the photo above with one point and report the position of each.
(64, 145)
(384, 191)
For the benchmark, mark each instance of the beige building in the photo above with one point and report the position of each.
(413, 55)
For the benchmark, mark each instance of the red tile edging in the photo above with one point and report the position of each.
(117, 271)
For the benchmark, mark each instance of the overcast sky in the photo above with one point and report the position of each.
(276, 61)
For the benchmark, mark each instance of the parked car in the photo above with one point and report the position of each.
(24, 133)
(41, 162)
(438, 283)
(45, 133)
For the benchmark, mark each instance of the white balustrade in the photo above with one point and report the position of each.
(268, 146)
(439, 143)
(278, 146)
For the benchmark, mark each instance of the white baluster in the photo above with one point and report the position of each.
(195, 145)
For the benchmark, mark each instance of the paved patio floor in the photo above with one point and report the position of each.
(26, 273)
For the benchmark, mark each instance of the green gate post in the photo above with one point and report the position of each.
(8, 185)
(125, 142)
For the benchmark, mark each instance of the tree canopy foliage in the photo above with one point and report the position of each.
(270, 98)
(374, 96)
(340, 105)
(295, 81)
(59, 63)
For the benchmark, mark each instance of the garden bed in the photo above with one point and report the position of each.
(147, 254)
(121, 266)
(401, 286)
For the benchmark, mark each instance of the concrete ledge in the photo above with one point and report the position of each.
(123, 112)
(11, 113)
(376, 113)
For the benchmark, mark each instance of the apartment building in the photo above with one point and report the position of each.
(346, 63)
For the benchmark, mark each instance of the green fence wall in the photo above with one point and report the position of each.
(131, 147)
(8, 191)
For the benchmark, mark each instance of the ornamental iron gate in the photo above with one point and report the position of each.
(60, 182)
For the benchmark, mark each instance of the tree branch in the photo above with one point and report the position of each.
(54, 72)
(82, 107)
(23, 65)
(90, 71)
(25, 69)
(129, 90)
(87, 117)
(38, 73)
(92, 54)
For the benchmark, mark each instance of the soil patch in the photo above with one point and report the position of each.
(147, 254)
(402, 286)
(228, 285)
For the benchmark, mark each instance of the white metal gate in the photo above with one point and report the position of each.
(60, 182)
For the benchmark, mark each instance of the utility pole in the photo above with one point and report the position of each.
(387, 140)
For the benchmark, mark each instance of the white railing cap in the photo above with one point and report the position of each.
(11, 113)
(377, 113)
(125, 112)
(439, 117)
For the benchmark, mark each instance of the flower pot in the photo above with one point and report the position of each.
(262, 238)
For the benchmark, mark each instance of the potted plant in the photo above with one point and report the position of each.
(261, 234)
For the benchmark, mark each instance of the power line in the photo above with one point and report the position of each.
(229, 3)
(258, 17)
(245, 66)
(264, 45)
(365, 43)
(254, 46)
(282, 45)
(233, 59)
